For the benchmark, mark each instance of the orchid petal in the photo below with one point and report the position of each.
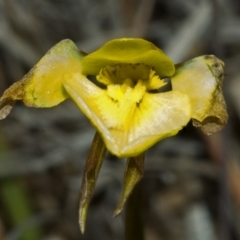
(201, 79)
(130, 129)
(131, 51)
(42, 86)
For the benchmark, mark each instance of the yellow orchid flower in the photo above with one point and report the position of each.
(127, 103)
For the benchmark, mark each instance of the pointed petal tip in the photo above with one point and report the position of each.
(118, 210)
(133, 174)
(82, 226)
(5, 108)
(83, 209)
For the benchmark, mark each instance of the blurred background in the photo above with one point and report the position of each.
(191, 186)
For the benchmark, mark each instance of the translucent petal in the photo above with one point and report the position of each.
(42, 86)
(130, 129)
(130, 51)
(201, 79)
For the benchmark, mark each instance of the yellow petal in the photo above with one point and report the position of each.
(130, 129)
(130, 51)
(42, 86)
(201, 79)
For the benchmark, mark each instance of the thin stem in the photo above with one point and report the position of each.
(134, 215)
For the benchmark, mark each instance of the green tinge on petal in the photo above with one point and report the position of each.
(43, 85)
(128, 51)
(130, 129)
(201, 79)
(133, 174)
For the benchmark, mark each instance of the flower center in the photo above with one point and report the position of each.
(129, 82)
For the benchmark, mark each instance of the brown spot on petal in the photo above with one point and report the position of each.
(216, 117)
(10, 96)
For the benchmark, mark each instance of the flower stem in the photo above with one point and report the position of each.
(133, 216)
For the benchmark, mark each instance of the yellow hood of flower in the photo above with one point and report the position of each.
(131, 51)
